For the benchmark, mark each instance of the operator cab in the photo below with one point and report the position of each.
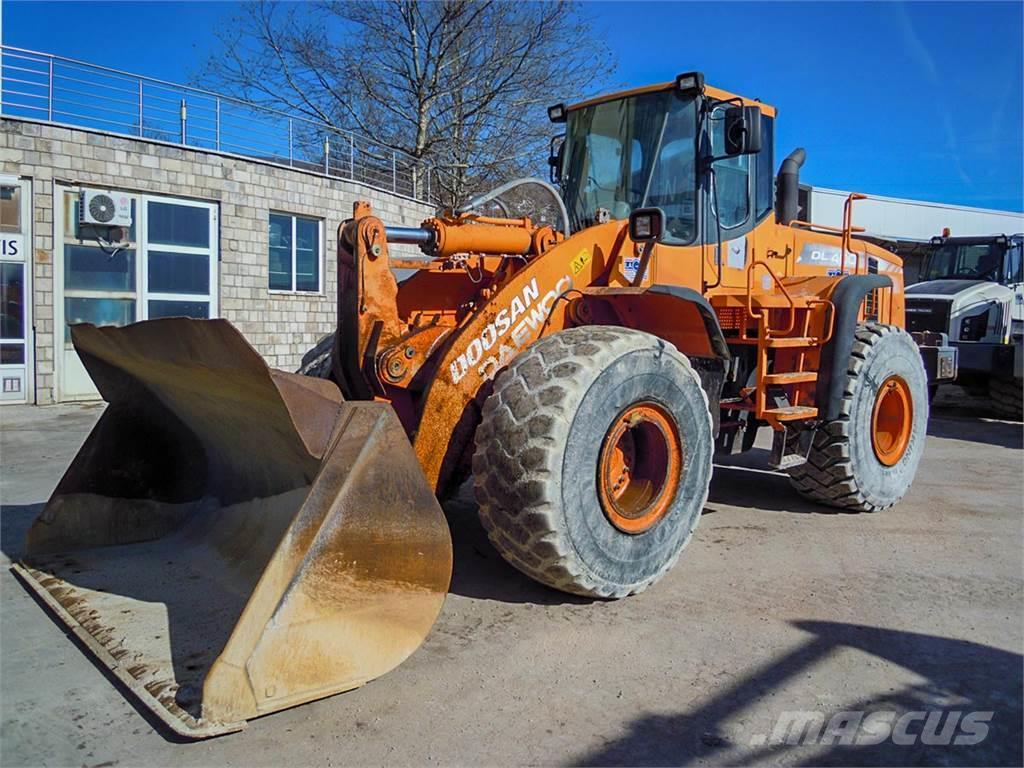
(682, 147)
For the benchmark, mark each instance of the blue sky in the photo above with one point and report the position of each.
(919, 100)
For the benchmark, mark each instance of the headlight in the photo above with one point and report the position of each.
(973, 328)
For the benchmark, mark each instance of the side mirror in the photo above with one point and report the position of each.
(742, 131)
(646, 225)
(555, 157)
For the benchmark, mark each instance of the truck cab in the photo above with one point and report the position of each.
(973, 290)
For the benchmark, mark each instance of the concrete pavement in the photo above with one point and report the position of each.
(776, 606)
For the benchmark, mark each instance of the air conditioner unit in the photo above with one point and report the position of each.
(105, 208)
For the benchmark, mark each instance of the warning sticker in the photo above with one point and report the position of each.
(581, 260)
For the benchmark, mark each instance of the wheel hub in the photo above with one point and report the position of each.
(640, 467)
(892, 420)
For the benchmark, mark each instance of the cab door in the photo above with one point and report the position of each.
(769, 242)
(739, 200)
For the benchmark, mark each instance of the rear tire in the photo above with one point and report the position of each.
(540, 463)
(853, 463)
(1006, 396)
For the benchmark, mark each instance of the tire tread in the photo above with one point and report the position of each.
(828, 475)
(525, 422)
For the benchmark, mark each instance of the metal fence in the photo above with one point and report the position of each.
(60, 90)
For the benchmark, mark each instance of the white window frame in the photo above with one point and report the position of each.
(293, 291)
(144, 247)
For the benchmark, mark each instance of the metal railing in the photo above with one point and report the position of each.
(42, 86)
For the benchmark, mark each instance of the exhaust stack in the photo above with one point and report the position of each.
(788, 187)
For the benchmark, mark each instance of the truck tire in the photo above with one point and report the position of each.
(1006, 396)
(593, 459)
(865, 460)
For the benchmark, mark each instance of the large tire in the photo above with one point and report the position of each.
(844, 467)
(1006, 396)
(541, 449)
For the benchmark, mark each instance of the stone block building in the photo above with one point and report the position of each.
(212, 235)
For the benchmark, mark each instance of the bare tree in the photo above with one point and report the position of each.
(461, 85)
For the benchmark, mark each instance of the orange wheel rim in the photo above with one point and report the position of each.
(640, 467)
(892, 420)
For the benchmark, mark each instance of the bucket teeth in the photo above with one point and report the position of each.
(232, 540)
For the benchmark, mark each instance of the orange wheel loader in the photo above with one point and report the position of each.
(232, 540)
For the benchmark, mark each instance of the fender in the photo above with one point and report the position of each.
(714, 329)
(671, 312)
(847, 298)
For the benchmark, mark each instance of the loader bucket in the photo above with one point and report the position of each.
(232, 540)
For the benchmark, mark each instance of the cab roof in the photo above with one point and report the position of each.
(709, 90)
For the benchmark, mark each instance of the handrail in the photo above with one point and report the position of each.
(190, 88)
(848, 229)
(778, 282)
(830, 328)
(69, 92)
(811, 225)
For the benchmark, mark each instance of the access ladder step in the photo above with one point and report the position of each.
(785, 342)
(791, 413)
(791, 377)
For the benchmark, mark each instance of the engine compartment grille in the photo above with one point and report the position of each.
(928, 315)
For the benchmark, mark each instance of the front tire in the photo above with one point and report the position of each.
(866, 459)
(1007, 397)
(593, 460)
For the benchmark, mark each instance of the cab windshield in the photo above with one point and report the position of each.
(630, 153)
(958, 261)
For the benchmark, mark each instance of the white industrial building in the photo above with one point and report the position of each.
(906, 225)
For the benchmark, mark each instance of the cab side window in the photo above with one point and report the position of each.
(731, 176)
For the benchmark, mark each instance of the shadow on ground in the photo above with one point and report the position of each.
(15, 520)
(1005, 434)
(479, 571)
(746, 480)
(958, 676)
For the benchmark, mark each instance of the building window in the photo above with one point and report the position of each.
(165, 267)
(294, 253)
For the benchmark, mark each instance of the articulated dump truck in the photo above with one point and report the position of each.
(232, 540)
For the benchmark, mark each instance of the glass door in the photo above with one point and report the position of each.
(165, 267)
(15, 238)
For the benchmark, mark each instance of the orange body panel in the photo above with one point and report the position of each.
(432, 344)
